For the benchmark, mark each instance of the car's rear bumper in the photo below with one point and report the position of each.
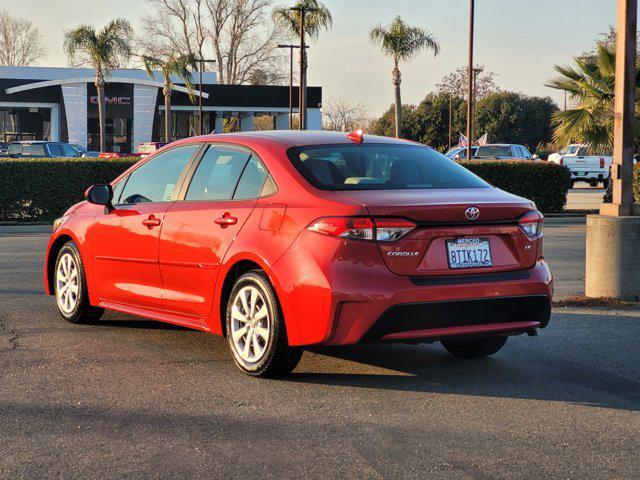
(336, 292)
(589, 175)
(435, 308)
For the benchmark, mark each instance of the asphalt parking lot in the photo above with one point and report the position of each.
(129, 398)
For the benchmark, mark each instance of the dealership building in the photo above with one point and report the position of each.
(48, 103)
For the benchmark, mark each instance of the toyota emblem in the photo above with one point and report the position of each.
(472, 213)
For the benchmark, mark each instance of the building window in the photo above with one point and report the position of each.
(25, 124)
(184, 123)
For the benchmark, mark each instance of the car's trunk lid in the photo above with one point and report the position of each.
(441, 219)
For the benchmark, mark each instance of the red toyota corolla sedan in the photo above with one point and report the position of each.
(282, 239)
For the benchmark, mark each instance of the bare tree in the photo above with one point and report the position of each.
(455, 83)
(238, 34)
(20, 42)
(342, 116)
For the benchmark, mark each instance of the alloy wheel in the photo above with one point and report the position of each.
(250, 324)
(67, 283)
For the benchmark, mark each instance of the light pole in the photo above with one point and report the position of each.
(470, 80)
(302, 94)
(290, 47)
(450, 102)
(476, 71)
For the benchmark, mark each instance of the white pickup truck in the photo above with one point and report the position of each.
(593, 169)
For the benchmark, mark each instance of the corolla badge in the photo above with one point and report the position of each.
(472, 213)
(403, 254)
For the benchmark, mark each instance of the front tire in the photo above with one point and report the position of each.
(475, 348)
(255, 329)
(70, 287)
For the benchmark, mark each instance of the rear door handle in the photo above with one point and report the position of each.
(151, 222)
(225, 220)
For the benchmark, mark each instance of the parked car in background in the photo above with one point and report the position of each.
(584, 167)
(4, 146)
(47, 149)
(503, 151)
(460, 153)
(282, 239)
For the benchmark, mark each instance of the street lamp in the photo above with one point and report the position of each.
(302, 97)
(470, 80)
(202, 62)
(290, 47)
(476, 71)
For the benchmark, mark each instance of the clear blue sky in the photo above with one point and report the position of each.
(520, 40)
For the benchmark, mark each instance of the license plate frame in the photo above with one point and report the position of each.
(468, 244)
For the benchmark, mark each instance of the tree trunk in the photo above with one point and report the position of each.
(397, 79)
(101, 108)
(167, 113)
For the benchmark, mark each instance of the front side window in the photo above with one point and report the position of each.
(155, 180)
(494, 151)
(218, 172)
(55, 150)
(69, 151)
(380, 167)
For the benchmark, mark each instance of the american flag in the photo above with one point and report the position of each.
(464, 141)
(484, 139)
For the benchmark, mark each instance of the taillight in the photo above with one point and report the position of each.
(561, 161)
(363, 228)
(531, 224)
(601, 162)
(392, 229)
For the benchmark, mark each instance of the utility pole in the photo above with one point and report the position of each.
(200, 123)
(302, 94)
(291, 47)
(450, 102)
(476, 71)
(470, 80)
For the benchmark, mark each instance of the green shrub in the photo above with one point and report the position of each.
(41, 189)
(544, 183)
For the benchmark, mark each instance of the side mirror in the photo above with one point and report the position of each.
(101, 194)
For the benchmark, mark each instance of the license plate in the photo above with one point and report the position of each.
(469, 253)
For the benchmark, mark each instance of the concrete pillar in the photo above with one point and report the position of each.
(314, 119)
(75, 106)
(613, 263)
(282, 121)
(246, 122)
(144, 106)
(55, 124)
(219, 126)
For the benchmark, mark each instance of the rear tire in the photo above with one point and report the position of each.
(256, 330)
(70, 287)
(476, 348)
(572, 184)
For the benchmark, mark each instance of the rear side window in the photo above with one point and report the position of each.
(155, 180)
(252, 180)
(33, 150)
(380, 167)
(218, 172)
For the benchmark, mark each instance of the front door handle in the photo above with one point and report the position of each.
(225, 220)
(151, 222)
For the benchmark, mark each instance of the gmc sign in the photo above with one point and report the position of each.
(112, 100)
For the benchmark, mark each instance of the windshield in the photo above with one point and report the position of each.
(494, 151)
(380, 167)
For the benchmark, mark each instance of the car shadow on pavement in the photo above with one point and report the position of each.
(582, 367)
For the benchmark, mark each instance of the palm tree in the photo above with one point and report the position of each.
(317, 17)
(176, 65)
(402, 42)
(591, 84)
(104, 50)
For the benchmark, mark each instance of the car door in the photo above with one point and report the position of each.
(199, 230)
(125, 240)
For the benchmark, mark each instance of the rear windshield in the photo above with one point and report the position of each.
(380, 167)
